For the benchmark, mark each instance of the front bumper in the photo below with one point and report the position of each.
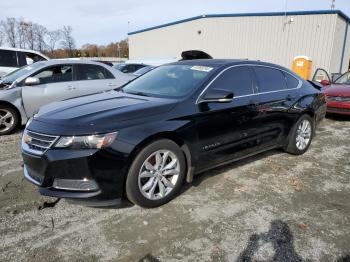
(92, 177)
(342, 108)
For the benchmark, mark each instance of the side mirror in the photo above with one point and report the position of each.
(217, 96)
(325, 82)
(32, 81)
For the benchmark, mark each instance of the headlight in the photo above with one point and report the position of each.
(86, 142)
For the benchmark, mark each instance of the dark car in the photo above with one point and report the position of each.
(129, 68)
(177, 120)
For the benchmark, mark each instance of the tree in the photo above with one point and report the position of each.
(1, 38)
(39, 35)
(30, 35)
(9, 30)
(68, 41)
(21, 26)
(52, 39)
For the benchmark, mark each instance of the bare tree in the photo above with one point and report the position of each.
(68, 41)
(1, 38)
(39, 35)
(52, 39)
(30, 35)
(9, 29)
(21, 33)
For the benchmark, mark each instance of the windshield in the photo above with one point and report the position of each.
(13, 76)
(344, 79)
(169, 81)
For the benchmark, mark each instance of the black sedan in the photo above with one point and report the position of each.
(144, 141)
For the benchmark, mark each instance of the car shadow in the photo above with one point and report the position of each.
(281, 239)
(338, 117)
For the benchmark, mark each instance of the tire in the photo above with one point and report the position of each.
(9, 120)
(148, 163)
(293, 147)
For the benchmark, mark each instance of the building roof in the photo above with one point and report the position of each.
(317, 12)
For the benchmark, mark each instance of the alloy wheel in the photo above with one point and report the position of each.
(7, 120)
(303, 134)
(158, 174)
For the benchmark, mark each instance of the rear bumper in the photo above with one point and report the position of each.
(94, 178)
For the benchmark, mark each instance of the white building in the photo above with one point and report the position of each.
(324, 36)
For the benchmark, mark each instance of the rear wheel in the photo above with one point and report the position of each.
(9, 120)
(301, 136)
(156, 175)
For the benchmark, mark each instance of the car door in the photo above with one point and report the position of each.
(93, 79)
(228, 130)
(277, 92)
(321, 75)
(56, 84)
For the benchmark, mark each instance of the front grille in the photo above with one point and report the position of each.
(338, 99)
(37, 143)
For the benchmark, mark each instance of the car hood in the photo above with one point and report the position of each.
(337, 90)
(104, 112)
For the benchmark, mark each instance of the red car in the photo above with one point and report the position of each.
(337, 93)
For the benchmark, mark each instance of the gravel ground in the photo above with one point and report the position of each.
(273, 206)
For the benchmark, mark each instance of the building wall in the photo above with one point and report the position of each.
(338, 45)
(341, 24)
(266, 38)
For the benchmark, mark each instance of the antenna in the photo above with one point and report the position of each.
(333, 5)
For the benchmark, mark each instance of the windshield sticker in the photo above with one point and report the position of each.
(202, 68)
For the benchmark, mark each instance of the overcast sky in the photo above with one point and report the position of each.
(104, 21)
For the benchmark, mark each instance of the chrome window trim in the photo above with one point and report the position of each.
(254, 94)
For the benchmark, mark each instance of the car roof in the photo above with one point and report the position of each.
(222, 62)
(218, 63)
(23, 50)
(70, 61)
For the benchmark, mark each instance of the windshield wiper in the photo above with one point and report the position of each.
(138, 93)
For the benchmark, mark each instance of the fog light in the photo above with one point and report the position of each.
(75, 185)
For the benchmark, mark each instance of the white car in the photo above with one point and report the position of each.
(14, 58)
(25, 90)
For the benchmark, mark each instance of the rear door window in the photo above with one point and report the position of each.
(8, 58)
(91, 72)
(239, 80)
(270, 79)
(291, 81)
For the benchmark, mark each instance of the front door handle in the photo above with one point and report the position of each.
(290, 98)
(254, 103)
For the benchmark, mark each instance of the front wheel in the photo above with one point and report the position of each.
(300, 136)
(9, 120)
(156, 174)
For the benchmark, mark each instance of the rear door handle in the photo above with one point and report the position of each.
(70, 88)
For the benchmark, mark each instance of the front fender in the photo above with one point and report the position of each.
(14, 98)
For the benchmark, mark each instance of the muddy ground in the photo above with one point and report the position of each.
(273, 206)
